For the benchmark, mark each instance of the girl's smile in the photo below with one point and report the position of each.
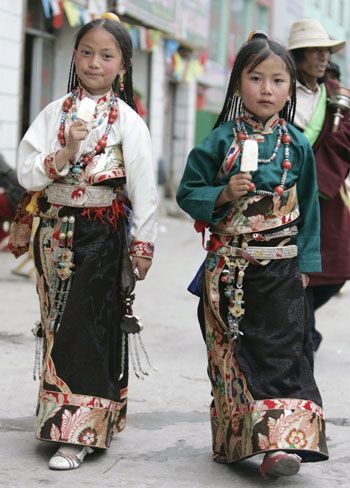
(98, 61)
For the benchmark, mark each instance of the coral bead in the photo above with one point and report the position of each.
(98, 148)
(286, 139)
(67, 104)
(287, 165)
(241, 136)
(102, 143)
(279, 190)
(252, 186)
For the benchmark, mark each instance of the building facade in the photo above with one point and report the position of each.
(11, 47)
(183, 54)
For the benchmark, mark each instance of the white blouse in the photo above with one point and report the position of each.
(307, 101)
(129, 131)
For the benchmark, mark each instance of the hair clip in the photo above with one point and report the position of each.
(257, 34)
(110, 16)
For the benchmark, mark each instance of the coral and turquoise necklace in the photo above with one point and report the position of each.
(69, 105)
(282, 137)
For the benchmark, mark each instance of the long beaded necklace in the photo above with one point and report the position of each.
(77, 167)
(282, 136)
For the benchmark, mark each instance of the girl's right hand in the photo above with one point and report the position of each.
(237, 187)
(77, 133)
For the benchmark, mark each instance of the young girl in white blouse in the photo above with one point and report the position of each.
(84, 159)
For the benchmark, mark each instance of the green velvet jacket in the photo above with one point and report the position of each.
(199, 190)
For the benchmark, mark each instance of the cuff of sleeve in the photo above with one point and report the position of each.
(310, 266)
(51, 169)
(214, 215)
(142, 249)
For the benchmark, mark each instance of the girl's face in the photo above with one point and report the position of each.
(266, 88)
(98, 60)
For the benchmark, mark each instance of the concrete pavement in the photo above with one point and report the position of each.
(167, 440)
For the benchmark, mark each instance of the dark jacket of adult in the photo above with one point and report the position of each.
(332, 154)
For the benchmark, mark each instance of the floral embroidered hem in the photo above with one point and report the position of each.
(267, 425)
(78, 419)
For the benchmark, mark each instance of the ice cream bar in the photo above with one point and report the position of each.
(249, 158)
(86, 109)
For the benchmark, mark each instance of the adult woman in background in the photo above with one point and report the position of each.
(311, 48)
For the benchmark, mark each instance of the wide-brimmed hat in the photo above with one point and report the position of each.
(310, 33)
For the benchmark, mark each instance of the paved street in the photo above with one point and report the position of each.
(167, 440)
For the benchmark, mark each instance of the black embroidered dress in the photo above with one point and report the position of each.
(78, 252)
(265, 395)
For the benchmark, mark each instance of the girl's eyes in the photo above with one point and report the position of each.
(256, 78)
(86, 52)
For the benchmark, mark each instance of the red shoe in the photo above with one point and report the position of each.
(279, 463)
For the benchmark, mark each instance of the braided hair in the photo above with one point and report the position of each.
(251, 54)
(123, 41)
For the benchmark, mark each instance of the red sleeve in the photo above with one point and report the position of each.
(332, 154)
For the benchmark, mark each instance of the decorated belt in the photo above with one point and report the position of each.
(268, 235)
(279, 252)
(80, 196)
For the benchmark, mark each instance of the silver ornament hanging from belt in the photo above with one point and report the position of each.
(131, 325)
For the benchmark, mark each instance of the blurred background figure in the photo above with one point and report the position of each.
(10, 191)
(311, 48)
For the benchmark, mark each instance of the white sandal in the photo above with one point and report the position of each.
(62, 461)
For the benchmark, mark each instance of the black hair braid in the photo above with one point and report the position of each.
(72, 78)
(288, 111)
(129, 89)
(233, 106)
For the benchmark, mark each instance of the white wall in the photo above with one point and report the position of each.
(11, 42)
(157, 104)
(184, 125)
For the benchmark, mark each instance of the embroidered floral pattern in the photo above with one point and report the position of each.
(142, 249)
(257, 213)
(50, 167)
(21, 227)
(88, 437)
(297, 439)
(242, 426)
(105, 166)
(62, 415)
(92, 424)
